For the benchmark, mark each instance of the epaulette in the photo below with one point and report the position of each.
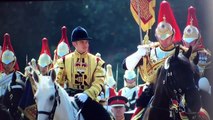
(100, 61)
(207, 51)
(61, 62)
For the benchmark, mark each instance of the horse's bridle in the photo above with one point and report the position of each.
(14, 84)
(175, 92)
(52, 112)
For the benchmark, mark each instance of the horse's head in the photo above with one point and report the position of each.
(14, 94)
(46, 95)
(180, 75)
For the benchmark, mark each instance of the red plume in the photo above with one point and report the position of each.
(166, 11)
(45, 47)
(64, 36)
(8, 46)
(192, 15)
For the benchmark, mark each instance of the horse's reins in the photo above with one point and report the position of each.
(52, 112)
(57, 99)
(172, 88)
(14, 84)
(170, 85)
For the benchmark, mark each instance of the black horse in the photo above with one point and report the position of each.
(5, 115)
(13, 95)
(174, 84)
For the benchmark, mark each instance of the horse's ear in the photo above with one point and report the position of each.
(188, 53)
(177, 49)
(35, 77)
(52, 74)
(166, 63)
(196, 59)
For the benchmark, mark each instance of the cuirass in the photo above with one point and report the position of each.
(152, 63)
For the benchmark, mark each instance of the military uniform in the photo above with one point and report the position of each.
(7, 57)
(151, 64)
(130, 94)
(83, 72)
(27, 104)
(5, 80)
(130, 90)
(12, 82)
(120, 102)
(192, 37)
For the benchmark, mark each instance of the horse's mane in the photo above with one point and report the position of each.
(48, 83)
(65, 106)
(63, 93)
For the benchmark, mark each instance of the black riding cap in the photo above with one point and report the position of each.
(79, 33)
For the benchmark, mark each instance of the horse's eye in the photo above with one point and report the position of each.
(51, 97)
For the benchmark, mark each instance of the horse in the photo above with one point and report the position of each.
(13, 95)
(53, 102)
(175, 83)
(4, 113)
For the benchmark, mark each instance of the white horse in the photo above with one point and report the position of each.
(53, 102)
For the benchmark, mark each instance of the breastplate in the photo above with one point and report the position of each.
(152, 63)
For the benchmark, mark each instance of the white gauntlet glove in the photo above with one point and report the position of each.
(133, 59)
(143, 50)
(80, 99)
(33, 63)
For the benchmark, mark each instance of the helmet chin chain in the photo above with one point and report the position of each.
(13, 64)
(196, 43)
(168, 47)
(12, 67)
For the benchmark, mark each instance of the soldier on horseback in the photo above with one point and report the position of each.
(27, 103)
(12, 82)
(45, 60)
(150, 57)
(192, 37)
(84, 72)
